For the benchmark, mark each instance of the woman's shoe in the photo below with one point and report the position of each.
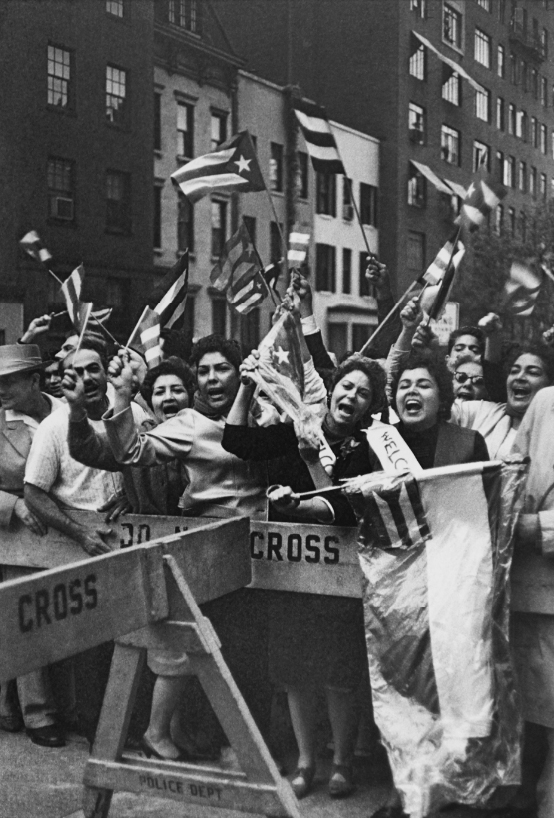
(302, 780)
(149, 750)
(340, 783)
(11, 723)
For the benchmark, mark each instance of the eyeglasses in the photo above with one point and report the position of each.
(476, 380)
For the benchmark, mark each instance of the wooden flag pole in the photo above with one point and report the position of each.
(390, 315)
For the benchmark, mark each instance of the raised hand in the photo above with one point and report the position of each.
(73, 389)
(490, 323)
(411, 314)
(249, 365)
(38, 326)
(377, 274)
(120, 374)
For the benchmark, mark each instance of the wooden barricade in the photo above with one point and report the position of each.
(147, 598)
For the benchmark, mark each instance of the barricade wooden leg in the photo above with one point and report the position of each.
(112, 729)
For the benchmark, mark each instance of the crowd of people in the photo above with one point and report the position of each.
(93, 429)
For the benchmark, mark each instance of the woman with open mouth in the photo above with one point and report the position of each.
(315, 641)
(530, 369)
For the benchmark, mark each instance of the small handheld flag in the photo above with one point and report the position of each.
(522, 288)
(238, 273)
(233, 167)
(79, 311)
(33, 245)
(481, 198)
(298, 248)
(168, 298)
(436, 270)
(319, 138)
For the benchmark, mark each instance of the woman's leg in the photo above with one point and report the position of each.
(167, 691)
(341, 706)
(301, 706)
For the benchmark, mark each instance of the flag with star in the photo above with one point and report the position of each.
(233, 167)
(238, 273)
(481, 198)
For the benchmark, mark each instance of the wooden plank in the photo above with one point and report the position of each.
(58, 613)
(184, 784)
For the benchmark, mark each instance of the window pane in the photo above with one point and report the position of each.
(482, 48)
(482, 104)
(218, 130)
(303, 175)
(116, 92)
(500, 114)
(118, 213)
(185, 130)
(219, 227)
(451, 86)
(325, 268)
(416, 188)
(416, 251)
(115, 7)
(185, 224)
(416, 123)
(61, 193)
(417, 63)
(500, 64)
(59, 77)
(450, 145)
(368, 204)
(452, 26)
(276, 167)
(346, 270)
(326, 194)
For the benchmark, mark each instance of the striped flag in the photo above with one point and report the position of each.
(149, 334)
(233, 168)
(522, 288)
(271, 274)
(101, 315)
(238, 272)
(391, 517)
(298, 248)
(436, 618)
(79, 311)
(481, 198)
(169, 296)
(436, 270)
(33, 245)
(319, 138)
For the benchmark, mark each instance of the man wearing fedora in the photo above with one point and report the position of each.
(23, 408)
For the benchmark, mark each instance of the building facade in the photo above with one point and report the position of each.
(76, 149)
(367, 64)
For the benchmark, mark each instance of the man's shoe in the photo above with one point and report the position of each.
(49, 736)
(11, 723)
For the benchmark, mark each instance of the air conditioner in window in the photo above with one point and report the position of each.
(61, 208)
(347, 212)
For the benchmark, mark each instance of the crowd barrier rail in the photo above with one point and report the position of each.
(145, 597)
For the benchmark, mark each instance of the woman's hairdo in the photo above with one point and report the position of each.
(375, 374)
(543, 352)
(228, 347)
(438, 370)
(171, 366)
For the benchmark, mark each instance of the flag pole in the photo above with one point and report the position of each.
(448, 266)
(357, 212)
(139, 322)
(390, 315)
(281, 235)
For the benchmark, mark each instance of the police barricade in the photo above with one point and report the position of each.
(145, 597)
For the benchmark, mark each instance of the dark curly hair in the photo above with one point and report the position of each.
(375, 374)
(93, 343)
(171, 366)
(475, 332)
(229, 348)
(438, 370)
(543, 352)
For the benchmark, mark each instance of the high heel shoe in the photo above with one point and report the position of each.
(302, 781)
(150, 751)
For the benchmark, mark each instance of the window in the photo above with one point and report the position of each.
(346, 270)
(416, 123)
(512, 221)
(364, 286)
(500, 165)
(116, 95)
(533, 182)
(544, 92)
(534, 132)
(250, 224)
(524, 75)
(500, 62)
(485, 4)
(275, 244)
(452, 26)
(509, 171)
(61, 189)
(218, 130)
(360, 334)
(513, 68)
(511, 119)
(418, 6)
(219, 227)
(60, 86)
(481, 155)
(219, 316)
(157, 122)
(482, 48)
(535, 83)
(185, 130)
(185, 224)
(347, 206)
(276, 167)
(118, 202)
(500, 11)
(416, 251)
(326, 194)
(157, 233)
(337, 337)
(542, 188)
(521, 125)
(523, 226)
(552, 143)
(500, 124)
(499, 218)
(450, 145)
(483, 104)
(522, 177)
(303, 190)
(543, 139)
(544, 43)
(185, 14)
(115, 7)
(417, 63)
(368, 204)
(325, 268)
(416, 188)
(451, 86)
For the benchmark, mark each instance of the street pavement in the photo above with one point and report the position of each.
(47, 783)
